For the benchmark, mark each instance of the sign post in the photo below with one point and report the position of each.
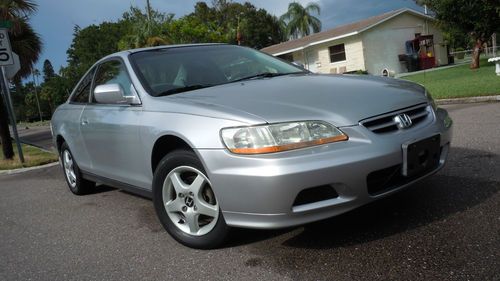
(6, 59)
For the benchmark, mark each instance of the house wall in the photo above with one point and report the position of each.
(317, 58)
(383, 43)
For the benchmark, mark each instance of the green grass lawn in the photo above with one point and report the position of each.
(33, 156)
(460, 81)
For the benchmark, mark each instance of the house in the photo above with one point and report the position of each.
(395, 42)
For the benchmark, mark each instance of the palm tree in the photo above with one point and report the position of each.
(299, 21)
(27, 44)
(146, 29)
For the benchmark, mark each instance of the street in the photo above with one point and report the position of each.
(444, 228)
(38, 136)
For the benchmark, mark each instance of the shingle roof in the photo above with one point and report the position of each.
(338, 32)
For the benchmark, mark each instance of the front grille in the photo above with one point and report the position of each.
(385, 123)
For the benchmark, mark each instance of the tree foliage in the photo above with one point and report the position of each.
(145, 28)
(48, 70)
(257, 27)
(299, 21)
(27, 44)
(24, 40)
(54, 92)
(478, 18)
(91, 44)
(192, 30)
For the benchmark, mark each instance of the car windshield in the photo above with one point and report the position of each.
(180, 69)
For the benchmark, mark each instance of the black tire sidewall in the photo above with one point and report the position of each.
(173, 160)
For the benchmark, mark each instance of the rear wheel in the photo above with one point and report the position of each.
(186, 203)
(76, 183)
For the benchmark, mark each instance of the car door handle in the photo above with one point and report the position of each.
(85, 122)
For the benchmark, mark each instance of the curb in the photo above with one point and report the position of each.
(22, 170)
(469, 100)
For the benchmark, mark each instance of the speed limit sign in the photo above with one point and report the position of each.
(5, 49)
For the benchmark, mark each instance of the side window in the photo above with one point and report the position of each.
(113, 72)
(82, 91)
(337, 53)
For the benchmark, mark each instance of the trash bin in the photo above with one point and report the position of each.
(412, 63)
(451, 59)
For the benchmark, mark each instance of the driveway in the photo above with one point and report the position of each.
(445, 228)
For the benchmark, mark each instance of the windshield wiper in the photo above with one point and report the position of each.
(184, 89)
(265, 75)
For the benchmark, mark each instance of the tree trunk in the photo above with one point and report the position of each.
(475, 54)
(8, 152)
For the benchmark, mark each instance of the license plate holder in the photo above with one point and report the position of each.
(420, 156)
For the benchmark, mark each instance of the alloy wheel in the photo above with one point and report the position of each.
(190, 201)
(69, 169)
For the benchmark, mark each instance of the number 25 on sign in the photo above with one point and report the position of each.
(5, 49)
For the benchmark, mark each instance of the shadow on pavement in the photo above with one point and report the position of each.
(452, 190)
(101, 188)
(431, 200)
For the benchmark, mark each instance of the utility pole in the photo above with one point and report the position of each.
(238, 31)
(148, 7)
(35, 73)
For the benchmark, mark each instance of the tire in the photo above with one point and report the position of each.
(76, 183)
(185, 202)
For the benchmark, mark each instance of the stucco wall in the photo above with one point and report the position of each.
(318, 56)
(383, 43)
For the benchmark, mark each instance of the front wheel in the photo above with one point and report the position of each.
(76, 183)
(186, 203)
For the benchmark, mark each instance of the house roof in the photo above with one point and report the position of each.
(336, 33)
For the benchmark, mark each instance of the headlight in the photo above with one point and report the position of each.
(280, 137)
(431, 100)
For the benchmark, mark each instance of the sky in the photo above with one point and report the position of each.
(55, 19)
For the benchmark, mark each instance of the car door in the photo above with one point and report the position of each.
(111, 132)
(71, 115)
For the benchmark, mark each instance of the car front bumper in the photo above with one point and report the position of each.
(260, 191)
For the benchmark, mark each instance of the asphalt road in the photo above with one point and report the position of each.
(39, 136)
(445, 228)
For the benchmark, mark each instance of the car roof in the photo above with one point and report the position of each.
(132, 51)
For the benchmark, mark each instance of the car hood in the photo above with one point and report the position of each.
(342, 100)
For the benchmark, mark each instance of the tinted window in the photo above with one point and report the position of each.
(337, 53)
(82, 90)
(113, 72)
(164, 70)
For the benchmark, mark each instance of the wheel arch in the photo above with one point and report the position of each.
(59, 142)
(166, 144)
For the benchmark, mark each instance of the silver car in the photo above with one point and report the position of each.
(223, 136)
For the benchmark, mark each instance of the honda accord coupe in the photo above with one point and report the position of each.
(222, 136)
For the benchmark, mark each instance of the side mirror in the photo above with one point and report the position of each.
(113, 94)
